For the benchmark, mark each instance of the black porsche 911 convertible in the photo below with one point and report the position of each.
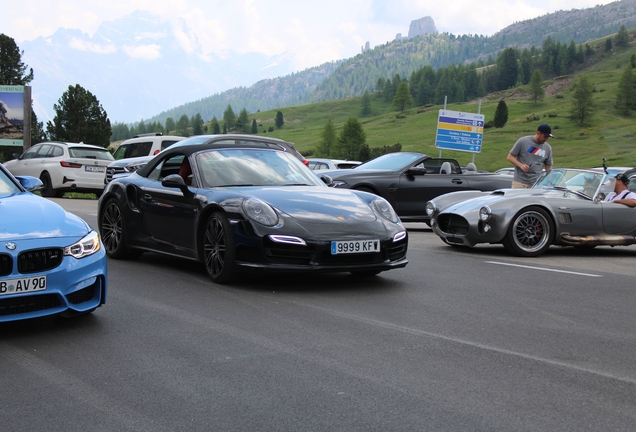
(241, 208)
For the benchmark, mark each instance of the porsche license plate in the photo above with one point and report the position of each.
(357, 246)
(22, 285)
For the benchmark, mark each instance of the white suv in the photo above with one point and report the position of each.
(64, 167)
(145, 145)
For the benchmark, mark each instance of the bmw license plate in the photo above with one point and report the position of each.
(23, 285)
(92, 168)
(357, 246)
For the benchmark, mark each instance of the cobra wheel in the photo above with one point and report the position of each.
(113, 232)
(219, 250)
(530, 233)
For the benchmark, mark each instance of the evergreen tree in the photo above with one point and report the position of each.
(160, 129)
(582, 103)
(626, 92)
(216, 128)
(280, 121)
(183, 126)
(632, 61)
(379, 86)
(366, 103)
(197, 124)
(328, 139)
(608, 44)
(501, 114)
(350, 141)
(170, 126)
(622, 38)
(243, 121)
(536, 86)
(12, 70)
(224, 128)
(229, 118)
(79, 117)
(254, 129)
(507, 69)
(403, 98)
(37, 130)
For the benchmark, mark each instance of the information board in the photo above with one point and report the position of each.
(459, 131)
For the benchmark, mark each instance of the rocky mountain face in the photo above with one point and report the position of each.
(421, 27)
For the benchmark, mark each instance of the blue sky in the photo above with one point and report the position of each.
(313, 32)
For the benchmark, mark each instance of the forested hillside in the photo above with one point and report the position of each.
(403, 57)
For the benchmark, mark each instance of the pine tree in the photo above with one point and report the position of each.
(626, 92)
(197, 124)
(403, 98)
(229, 118)
(12, 70)
(243, 121)
(79, 117)
(536, 86)
(366, 103)
(328, 139)
(280, 121)
(170, 126)
(254, 129)
(501, 114)
(350, 141)
(214, 124)
(582, 103)
(622, 38)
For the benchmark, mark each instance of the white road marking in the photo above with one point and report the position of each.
(544, 269)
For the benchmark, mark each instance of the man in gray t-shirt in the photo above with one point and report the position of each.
(530, 155)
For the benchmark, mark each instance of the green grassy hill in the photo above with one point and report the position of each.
(607, 134)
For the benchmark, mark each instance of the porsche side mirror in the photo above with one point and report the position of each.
(177, 182)
(416, 171)
(15, 155)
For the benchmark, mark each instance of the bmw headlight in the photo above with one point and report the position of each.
(485, 213)
(430, 208)
(85, 247)
(260, 212)
(384, 209)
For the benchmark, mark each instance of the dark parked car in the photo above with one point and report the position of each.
(239, 208)
(409, 180)
(126, 166)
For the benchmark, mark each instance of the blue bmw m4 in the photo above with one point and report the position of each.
(51, 261)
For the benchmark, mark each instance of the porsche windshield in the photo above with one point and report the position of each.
(7, 187)
(253, 167)
(391, 161)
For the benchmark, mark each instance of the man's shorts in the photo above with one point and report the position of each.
(519, 185)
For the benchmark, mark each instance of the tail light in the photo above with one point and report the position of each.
(306, 162)
(70, 164)
(156, 151)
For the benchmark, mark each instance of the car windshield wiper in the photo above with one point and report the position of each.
(577, 193)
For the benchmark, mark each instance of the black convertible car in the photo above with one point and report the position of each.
(409, 180)
(238, 208)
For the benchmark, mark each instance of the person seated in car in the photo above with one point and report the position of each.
(621, 194)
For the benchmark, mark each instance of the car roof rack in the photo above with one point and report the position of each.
(148, 134)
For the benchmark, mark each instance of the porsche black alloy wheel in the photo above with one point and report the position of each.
(219, 251)
(530, 233)
(113, 231)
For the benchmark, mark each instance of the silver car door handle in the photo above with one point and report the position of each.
(147, 197)
(457, 181)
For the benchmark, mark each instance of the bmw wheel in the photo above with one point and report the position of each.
(219, 250)
(530, 233)
(113, 232)
(47, 189)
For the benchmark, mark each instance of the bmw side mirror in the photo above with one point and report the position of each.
(30, 183)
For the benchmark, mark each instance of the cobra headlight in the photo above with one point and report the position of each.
(430, 208)
(260, 212)
(338, 184)
(85, 247)
(384, 209)
(485, 213)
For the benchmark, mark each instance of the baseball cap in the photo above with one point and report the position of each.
(622, 177)
(545, 130)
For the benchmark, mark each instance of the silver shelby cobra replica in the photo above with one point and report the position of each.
(565, 207)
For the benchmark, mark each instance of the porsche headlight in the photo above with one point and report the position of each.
(485, 213)
(430, 208)
(85, 247)
(384, 209)
(260, 212)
